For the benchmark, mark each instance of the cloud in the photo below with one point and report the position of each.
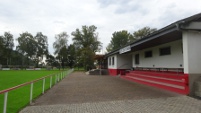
(106, 3)
(52, 17)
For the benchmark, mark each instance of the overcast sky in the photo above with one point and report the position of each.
(55, 16)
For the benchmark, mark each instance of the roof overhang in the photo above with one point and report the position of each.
(157, 40)
(167, 34)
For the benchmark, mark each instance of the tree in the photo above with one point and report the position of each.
(6, 44)
(51, 61)
(71, 55)
(119, 39)
(61, 41)
(109, 47)
(60, 46)
(62, 56)
(27, 46)
(16, 57)
(145, 31)
(86, 42)
(1, 46)
(41, 47)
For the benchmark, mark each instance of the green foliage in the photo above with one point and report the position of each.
(33, 48)
(86, 43)
(16, 58)
(12, 78)
(6, 46)
(51, 61)
(42, 47)
(119, 39)
(60, 46)
(27, 44)
(71, 55)
(145, 31)
(1, 47)
(62, 56)
(60, 41)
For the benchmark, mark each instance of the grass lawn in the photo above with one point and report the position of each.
(79, 69)
(19, 98)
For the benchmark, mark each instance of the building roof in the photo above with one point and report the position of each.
(99, 56)
(167, 34)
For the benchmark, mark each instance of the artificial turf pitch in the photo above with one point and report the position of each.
(19, 98)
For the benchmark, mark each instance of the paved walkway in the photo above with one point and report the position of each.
(80, 93)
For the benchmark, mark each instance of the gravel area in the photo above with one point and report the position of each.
(81, 93)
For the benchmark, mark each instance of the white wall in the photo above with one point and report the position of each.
(121, 61)
(124, 61)
(192, 52)
(174, 60)
(115, 62)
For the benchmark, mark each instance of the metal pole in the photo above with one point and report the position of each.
(31, 92)
(55, 79)
(58, 78)
(50, 81)
(5, 102)
(43, 85)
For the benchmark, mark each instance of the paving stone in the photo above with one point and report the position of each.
(80, 93)
(158, 105)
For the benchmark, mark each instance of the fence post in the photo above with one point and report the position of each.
(31, 93)
(43, 85)
(5, 102)
(55, 78)
(50, 81)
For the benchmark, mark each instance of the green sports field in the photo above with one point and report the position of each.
(19, 98)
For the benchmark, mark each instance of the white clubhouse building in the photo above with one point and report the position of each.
(169, 58)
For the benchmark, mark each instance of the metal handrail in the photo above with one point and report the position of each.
(59, 76)
(24, 84)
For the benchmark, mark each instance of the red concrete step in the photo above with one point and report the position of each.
(181, 90)
(166, 72)
(160, 74)
(180, 82)
(172, 82)
(157, 72)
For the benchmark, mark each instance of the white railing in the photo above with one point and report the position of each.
(58, 77)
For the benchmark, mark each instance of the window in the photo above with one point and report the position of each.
(137, 59)
(148, 54)
(112, 60)
(109, 61)
(165, 51)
